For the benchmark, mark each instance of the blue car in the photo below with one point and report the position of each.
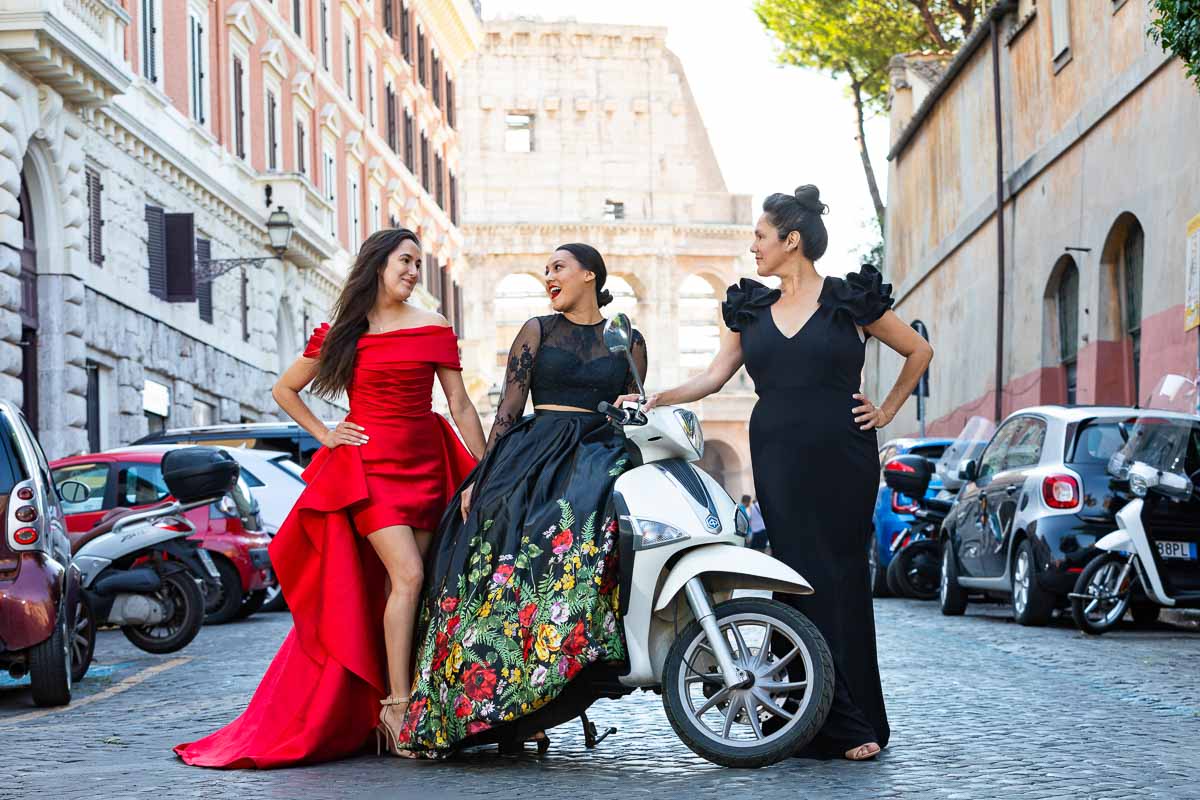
(893, 511)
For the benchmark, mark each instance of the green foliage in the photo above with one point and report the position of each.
(1177, 29)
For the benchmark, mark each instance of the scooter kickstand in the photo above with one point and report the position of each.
(590, 739)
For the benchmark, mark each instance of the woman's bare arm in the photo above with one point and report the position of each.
(466, 416)
(898, 335)
(725, 364)
(286, 392)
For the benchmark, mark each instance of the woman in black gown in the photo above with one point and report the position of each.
(812, 443)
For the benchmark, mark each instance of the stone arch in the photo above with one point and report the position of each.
(1060, 332)
(699, 321)
(1119, 318)
(518, 295)
(722, 462)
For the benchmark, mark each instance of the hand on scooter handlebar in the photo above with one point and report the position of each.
(622, 416)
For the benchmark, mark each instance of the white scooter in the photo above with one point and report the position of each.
(139, 571)
(745, 681)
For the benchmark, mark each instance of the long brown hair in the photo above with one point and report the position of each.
(336, 364)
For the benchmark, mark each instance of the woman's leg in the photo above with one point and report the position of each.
(402, 551)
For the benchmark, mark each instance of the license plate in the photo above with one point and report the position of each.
(1186, 550)
(207, 561)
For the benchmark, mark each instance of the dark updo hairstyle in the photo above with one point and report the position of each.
(590, 259)
(800, 212)
(336, 362)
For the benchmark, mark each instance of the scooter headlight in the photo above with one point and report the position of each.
(649, 533)
(741, 522)
(691, 427)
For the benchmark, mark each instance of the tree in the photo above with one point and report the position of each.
(1177, 29)
(856, 39)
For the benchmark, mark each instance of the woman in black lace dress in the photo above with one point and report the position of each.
(815, 462)
(521, 587)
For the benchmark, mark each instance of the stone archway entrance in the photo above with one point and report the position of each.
(29, 310)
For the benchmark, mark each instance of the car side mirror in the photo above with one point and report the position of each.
(968, 469)
(73, 491)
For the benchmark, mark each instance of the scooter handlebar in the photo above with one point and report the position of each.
(622, 416)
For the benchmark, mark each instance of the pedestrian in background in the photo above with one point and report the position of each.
(758, 528)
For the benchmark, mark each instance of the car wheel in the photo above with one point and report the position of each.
(50, 666)
(252, 602)
(83, 640)
(223, 604)
(275, 601)
(951, 596)
(879, 583)
(1031, 604)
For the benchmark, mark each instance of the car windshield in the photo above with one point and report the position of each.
(968, 444)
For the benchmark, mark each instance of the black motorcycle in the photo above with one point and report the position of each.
(916, 569)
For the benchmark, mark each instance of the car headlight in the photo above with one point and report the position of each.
(691, 427)
(741, 522)
(648, 533)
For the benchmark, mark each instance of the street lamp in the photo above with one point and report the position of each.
(279, 231)
(494, 395)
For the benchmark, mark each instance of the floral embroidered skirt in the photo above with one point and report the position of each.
(520, 598)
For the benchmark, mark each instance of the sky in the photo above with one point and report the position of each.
(773, 128)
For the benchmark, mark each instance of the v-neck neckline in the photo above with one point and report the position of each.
(800, 330)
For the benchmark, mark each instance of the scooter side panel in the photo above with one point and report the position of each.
(116, 544)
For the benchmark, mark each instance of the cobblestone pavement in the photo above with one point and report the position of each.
(980, 708)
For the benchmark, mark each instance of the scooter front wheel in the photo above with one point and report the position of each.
(783, 702)
(1100, 600)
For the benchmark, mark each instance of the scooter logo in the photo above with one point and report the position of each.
(712, 523)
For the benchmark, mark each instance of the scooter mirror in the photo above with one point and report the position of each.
(73, 491)
(618, 333)
(1174, 485)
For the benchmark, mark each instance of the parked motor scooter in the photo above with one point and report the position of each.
(745, 681)
(1153, 555)
(140, 572)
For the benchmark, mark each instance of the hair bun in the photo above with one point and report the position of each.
(604, 297)
(809, 197)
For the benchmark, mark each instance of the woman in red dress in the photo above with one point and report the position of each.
(349, 556)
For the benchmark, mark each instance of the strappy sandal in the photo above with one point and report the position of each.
(385, 737)
(863, 752)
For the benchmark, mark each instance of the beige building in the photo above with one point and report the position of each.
(1099, 175)
(589, 133)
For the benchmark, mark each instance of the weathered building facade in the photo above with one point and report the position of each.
(142, 141)
(1099, 175)
(585, 132)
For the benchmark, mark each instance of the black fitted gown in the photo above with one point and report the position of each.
(816, 474)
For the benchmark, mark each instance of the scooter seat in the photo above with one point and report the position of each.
(105, 525)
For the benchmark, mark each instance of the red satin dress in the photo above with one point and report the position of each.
(320, 697)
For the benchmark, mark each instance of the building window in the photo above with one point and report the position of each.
(204, 296)
(95, 217)
(425, 161)
(389, 110)
(349, 44)
(301, 148)
(239, 108)
(202, 413)
(272, 131)
(439, 181)
(371, 95)
(325, 34)
(354, 208)
(614, 210)
(405, 33)
(150, 40)
(1131, 277)
(1060, 31)
(1067, 304)
(409, 137)
(95, 413)
(198, 54)
(453, 199)
(518, 134)
(449, 102)
(389, 17)
(298, 17)
(330, 181)
(422, 58)
(376, 214)
(156, 405)
(435, 74)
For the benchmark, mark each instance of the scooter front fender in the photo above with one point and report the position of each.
(727, 567)
(1116, 542)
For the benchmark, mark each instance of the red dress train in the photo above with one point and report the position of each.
(319, 699)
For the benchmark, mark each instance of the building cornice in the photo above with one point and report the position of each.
(456, 28)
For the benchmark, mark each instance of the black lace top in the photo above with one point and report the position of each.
(564, 364)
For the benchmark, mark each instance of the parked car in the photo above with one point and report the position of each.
(229, 529)
(893, 511)
(46, 628)
(1032, 506)
(283, 437)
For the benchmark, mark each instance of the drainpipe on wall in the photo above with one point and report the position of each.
(995, 15)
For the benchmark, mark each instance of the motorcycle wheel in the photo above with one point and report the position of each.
(1106, 602)
(879, 584)
(50, 666)
(275, 601)
(222, 605)
(252, 602)
(767, 721)
(893, 577)
(918, 570)
(185, 604)
(83, 640)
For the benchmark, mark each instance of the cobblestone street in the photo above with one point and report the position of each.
(979, 708)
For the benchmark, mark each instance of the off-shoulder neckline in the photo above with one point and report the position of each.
(409, 330)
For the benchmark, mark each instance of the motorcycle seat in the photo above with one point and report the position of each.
(103, 526)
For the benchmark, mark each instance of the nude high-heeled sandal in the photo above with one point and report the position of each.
(385, 737)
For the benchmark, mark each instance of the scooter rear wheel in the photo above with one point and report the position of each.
(779, 712)
(185, 603)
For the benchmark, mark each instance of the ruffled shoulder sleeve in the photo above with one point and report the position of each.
(313, 348)
(743, 302)
(863, 295)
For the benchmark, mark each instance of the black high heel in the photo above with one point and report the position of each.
(514, 747)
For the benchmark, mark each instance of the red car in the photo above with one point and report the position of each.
(229, 529)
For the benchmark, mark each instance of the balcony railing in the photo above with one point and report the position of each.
(75, 46)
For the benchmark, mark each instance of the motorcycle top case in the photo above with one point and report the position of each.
(196, 473)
